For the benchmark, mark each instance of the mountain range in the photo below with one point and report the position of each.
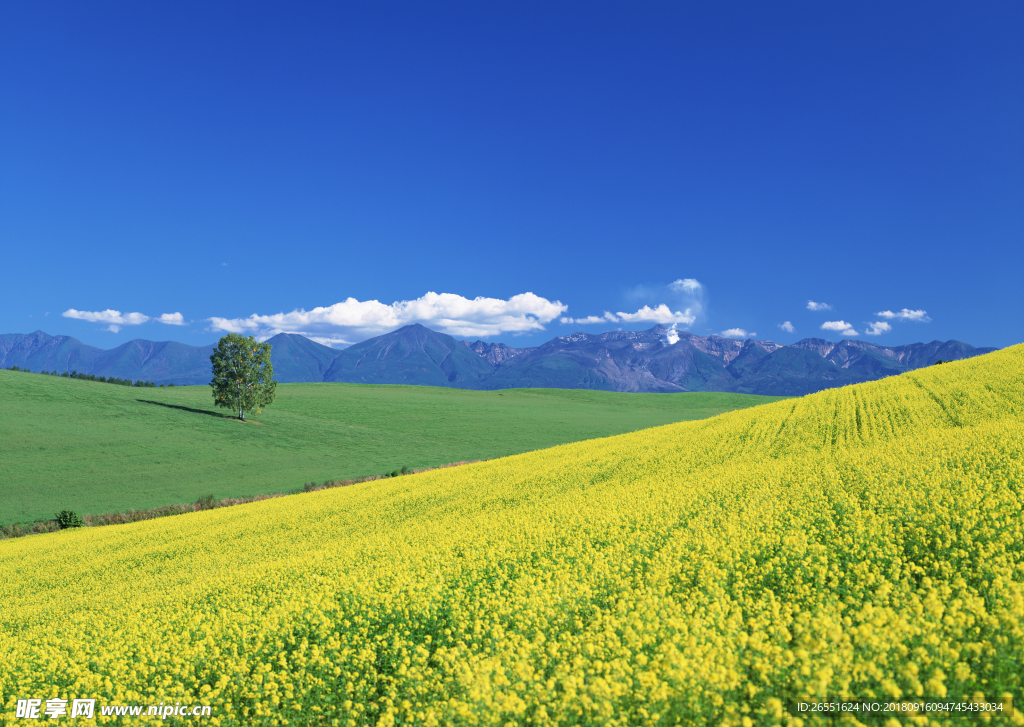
(655, 360)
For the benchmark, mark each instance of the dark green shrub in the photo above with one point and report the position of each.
(69, 519)
(405, 470)
(206, 502)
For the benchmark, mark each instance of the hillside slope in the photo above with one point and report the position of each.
(96, 448)
(864, 543)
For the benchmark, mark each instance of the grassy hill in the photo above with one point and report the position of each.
(863, 544)
(93, 447)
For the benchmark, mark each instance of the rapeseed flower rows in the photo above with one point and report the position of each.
(863, 543)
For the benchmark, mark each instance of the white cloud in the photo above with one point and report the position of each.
(736, 333)
(787, 327)
(332, 341)
(327, 341)
(661, 314)
(672, 335)
(842, 327)
(106, 316)
(172, 319)
(590, 320)
(811, 305)
(681, 301)
(445, 312)
(685, 298)
(905, 315)
(878, 328)
(686, 285)
(113, 318)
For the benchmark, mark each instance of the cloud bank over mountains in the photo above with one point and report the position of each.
(659, 314)
(737, 333)
(115, 319)
(678, 305)
(841, 327)
(685, 295)
(905, 315)
(352, 320)
(876, 328)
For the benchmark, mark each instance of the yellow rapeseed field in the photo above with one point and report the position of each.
(862, 544)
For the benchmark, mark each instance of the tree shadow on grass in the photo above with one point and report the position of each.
(187, 408)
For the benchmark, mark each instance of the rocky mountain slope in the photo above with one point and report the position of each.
(496, 353)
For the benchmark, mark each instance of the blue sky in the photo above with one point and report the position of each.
(513, 171)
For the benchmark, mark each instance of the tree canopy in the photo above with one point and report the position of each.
(243, 377)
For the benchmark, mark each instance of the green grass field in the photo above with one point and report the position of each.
(97, 448)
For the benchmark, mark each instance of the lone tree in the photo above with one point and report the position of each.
(243, 377)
